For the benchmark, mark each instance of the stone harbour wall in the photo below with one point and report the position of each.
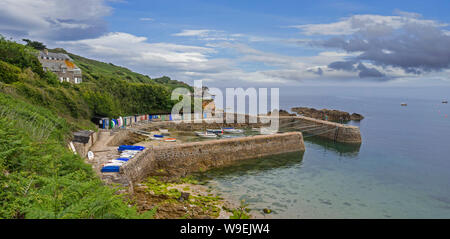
(329, 130)
(180, 160)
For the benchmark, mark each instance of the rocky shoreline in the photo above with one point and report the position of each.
(184, 198)
(327, 114)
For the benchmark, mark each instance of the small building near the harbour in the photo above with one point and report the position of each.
(62, 65)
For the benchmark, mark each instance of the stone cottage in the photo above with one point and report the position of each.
(62, 65)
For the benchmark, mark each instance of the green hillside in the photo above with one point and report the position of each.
(39, 176)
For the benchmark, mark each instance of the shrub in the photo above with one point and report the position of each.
(8, 73)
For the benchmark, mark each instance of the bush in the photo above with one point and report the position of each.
(40, 177)
(8, 73)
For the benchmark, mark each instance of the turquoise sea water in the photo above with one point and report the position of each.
(401, 170)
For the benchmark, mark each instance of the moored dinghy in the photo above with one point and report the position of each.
(215, 131)
(206, 135)
(233, 131)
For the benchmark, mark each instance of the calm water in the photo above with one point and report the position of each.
(401, 170)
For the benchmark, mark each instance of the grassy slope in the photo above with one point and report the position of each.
(39, 175)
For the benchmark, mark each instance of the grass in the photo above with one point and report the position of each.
(41, 178)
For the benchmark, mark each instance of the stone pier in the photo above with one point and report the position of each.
(334, 131)
(182, 159)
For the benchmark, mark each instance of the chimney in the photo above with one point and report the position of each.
(46, 51)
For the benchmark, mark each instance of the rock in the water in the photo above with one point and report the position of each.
(326, 114)
(356, 117)
(267, 211)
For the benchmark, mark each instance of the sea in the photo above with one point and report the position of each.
(401, 169)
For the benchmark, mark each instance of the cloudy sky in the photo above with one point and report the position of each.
(235, 43)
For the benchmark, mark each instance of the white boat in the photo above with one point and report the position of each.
(163, 130)
(207, 135)
(114, 161)
(267, 131)
(155, 138)
(130, 152)
(112, 164)
(233, 131)
(256, 129)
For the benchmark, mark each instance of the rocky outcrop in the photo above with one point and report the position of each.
(356, 117)
(326, 114)
(282, 113)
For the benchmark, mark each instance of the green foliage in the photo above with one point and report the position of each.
(40, 177)
(8, 73)
(35, 44)
(241, 212)
(208, 204)
(20, 56)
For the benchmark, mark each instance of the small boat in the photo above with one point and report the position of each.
(170, 140)
(112, 164)
(158, 136)
(155, 138)
(233, 131)
(215, 131)
(122, 155)
(232, 136)
(256, 129)
(163, 130)
(122, 159)
(130, 147)
(404, 104)
(115, 161)
(206, 135)
(266, 131)
(445, 102)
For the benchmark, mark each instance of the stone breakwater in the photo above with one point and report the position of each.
(337, 132)
(180, 160)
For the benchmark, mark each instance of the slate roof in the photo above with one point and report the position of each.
(54, 56)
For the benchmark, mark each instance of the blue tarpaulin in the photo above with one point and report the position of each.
(111, 169)
(123, 159)
(130, 147)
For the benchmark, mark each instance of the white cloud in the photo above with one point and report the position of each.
(185, 33)
(148, 19)
(208, 35)
(350, 25)
(53, 19)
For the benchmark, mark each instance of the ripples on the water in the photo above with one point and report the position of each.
(400, 170)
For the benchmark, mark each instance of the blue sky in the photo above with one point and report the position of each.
(249, 43)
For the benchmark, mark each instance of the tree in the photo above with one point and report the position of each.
(35, 44)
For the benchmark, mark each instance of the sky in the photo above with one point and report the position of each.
(235, 43)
